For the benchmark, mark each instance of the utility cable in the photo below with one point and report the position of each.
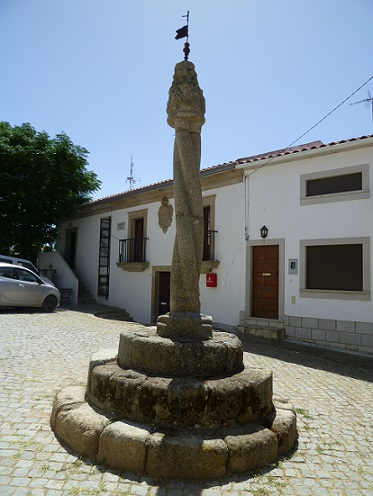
(315, 125)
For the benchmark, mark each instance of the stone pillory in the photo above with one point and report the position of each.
(179, 400)
(186, 114)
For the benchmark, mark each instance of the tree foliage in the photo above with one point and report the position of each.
(43, 181)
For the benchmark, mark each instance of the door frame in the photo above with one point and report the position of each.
(281, 275)
(156, 269)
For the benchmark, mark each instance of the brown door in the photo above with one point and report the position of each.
(70, 247)
(164, 293)
(265, 282)
(139, 240)
(206, 227)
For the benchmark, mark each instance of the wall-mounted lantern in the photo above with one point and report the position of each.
(264, 232)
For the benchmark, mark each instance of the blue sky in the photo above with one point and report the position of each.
(100, 71)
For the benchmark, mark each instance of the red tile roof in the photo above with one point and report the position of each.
(314, 145)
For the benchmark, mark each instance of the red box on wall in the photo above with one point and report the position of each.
(211, 280)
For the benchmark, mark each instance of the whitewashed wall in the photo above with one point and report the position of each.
(133, 290)
(88, 239)
(274, 200)
(225, 302)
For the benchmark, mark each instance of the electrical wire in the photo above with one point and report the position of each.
(315, 125)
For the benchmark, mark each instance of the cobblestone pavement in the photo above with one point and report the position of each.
(40, 353)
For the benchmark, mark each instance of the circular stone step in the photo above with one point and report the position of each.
(181, 401)
(182, 454)
(144, 350)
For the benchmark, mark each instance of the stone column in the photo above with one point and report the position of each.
(186, 109)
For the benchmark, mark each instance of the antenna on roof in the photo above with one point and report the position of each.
(367, 101)
(131, 179)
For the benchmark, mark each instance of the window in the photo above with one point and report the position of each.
(208, 228)
(23, 275)
(7, 272)
(209, 258)
(132, 251)
(338, 267)
(335, 268)
(350, 183)
(135, 245)
(334, 184)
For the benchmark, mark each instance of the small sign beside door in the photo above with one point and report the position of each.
(293, 266)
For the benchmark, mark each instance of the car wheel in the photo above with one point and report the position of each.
(49, 304)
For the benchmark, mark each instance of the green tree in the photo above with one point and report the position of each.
(43, 181)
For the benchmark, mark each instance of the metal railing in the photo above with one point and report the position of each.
(132, 250)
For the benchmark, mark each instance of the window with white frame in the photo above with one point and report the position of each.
(348, 183)
(335, 268)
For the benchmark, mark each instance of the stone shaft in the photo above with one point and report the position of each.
(187, 255)
(185, 109)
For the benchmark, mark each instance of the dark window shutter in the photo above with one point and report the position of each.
(335, 184)
(335, 267)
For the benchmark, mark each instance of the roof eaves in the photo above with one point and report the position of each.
(269, 156)
(301, 149)
(168, 182)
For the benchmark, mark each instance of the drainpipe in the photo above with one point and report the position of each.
(247, 227)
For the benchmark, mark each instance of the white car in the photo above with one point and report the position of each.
(21, 287)
(24, 263)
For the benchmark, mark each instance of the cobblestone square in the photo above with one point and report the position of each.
(40, 353)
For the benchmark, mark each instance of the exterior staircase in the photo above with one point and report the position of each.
(114, 313)
(100, 310)
(84, 295)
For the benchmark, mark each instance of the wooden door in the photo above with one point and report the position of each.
(206, 227)
(164, 293)
(139, 240)
(265, 282)
(70, 247)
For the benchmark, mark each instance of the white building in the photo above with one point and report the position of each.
(309, 279)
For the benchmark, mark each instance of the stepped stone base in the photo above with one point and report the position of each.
(144, 349)
(181, 453)
(163, 408)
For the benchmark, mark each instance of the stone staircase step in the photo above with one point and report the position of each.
(114, 313)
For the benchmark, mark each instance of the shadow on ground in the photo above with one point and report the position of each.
(354, 365)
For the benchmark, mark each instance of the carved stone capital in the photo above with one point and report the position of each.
(186, 104)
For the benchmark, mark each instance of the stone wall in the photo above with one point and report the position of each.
(338, 334)
(341, 334)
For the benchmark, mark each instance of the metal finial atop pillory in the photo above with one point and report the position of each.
(184, 33)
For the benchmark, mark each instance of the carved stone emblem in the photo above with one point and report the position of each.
(165, 213)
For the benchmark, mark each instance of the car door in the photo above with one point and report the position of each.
(30, 291)
(8, 286)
